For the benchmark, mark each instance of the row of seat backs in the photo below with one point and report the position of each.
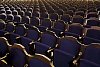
(19, 57)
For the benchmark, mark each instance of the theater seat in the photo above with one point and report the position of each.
(90, 57)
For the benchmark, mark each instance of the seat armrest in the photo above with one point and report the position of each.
(6, 33)
(75, 62)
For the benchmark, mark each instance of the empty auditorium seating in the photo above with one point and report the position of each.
(49, 33)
